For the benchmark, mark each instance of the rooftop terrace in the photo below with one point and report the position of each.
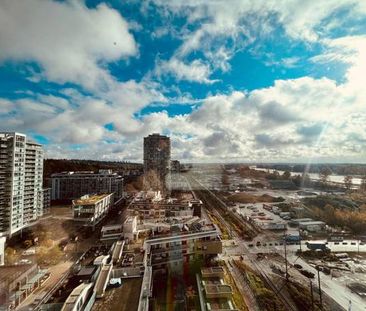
(90, 199)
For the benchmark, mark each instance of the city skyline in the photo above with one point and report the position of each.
(227, 81)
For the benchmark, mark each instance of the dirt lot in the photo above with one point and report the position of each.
(124, 298)
(249, 198)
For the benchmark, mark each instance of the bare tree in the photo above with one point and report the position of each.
(152, 181)
(348, 182)
(324, 175)
(363, 184)
(286, 175)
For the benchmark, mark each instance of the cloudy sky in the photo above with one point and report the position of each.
(230, 80)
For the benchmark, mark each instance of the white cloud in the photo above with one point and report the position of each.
(316, 118)
(196, 71)
(5, 106)
(322, 120)
(68, 40)
(220, 28)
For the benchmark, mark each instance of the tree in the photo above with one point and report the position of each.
(306, 181)
(11, 256)
(286, 175)
(225, 179)
(363, 184)
(324, 175)
(27, 243)
(348, 182)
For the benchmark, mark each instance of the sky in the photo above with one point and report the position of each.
(227, 80)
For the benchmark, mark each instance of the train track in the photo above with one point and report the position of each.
(216, 204)
(284, 299)
(208, 197)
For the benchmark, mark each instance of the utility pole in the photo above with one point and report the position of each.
(320, 289)
(300, 241)
(286, 259)
(312, 295)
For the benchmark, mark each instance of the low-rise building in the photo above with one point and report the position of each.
(296, 222)
(130, 228)
(174, 248)
(214, 294)
(111, 232)
(72, 185)
(147, 208)
(18, 282)
(91, 209)
(181, 245)
(312, 226)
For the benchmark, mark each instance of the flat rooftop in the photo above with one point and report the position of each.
(310, 223)
(123, 298)
(90, 199)
(10, 273)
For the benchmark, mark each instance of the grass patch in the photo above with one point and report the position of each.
(237, 297)
(266, 298)
(246, 198)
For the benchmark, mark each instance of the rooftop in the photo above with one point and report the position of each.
(309, 223)
(75, 296)
(90, 199)
(101, 173)
(10, 273)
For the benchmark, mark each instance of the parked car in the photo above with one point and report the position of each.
(307, 273)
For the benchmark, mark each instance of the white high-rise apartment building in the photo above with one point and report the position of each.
(21, 194)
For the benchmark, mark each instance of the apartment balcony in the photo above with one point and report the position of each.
(162, 250)
(164, 259)
(218, 291)
(212, 272)
(211, 247)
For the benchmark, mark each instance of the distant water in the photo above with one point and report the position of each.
(314, 176)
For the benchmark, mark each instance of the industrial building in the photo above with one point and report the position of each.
(72, 185)
(312, 226)
(156, 162)
(91, 209)
(21, 173)
(296, 222)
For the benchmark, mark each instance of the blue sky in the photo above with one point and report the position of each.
(233, 80)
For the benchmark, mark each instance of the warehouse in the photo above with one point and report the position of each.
(312, 226)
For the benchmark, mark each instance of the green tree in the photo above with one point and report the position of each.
(286, 175)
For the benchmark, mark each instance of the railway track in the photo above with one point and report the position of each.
(284, 299)
(208, 197)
